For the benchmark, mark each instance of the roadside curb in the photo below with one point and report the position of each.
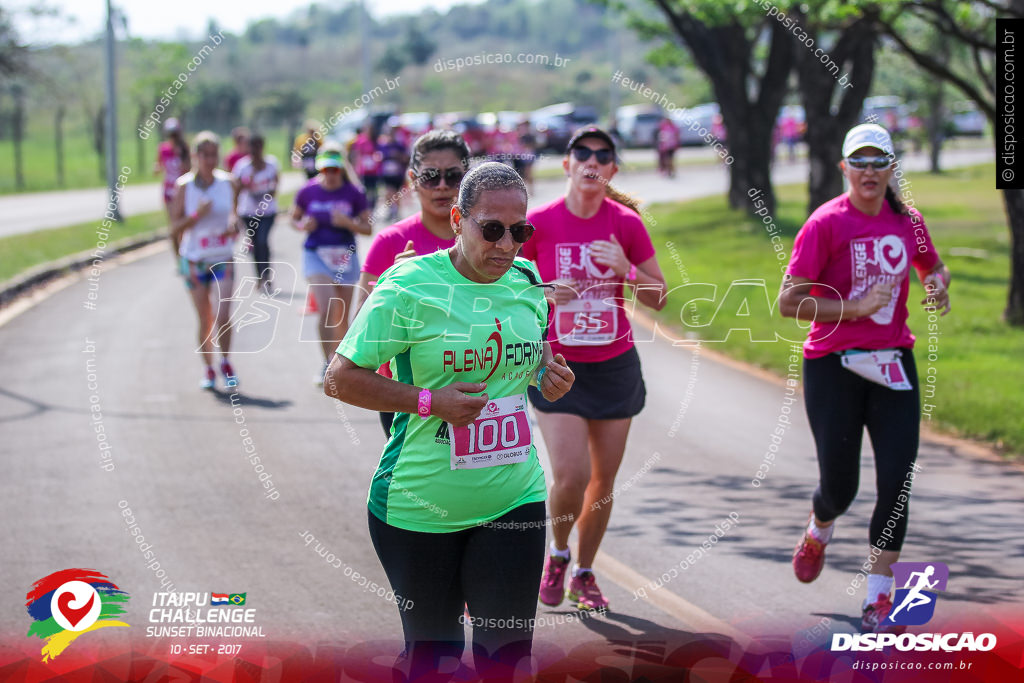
(44, 273)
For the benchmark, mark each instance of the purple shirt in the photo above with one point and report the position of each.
(317, 202)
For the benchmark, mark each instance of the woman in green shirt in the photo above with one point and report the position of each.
(456, 506)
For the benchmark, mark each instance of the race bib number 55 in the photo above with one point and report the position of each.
(585, 321)
(500, 436)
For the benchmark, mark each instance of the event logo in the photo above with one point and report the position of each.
(69, 603)
(914, 603)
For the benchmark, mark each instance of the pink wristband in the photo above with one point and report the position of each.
(423, 404)
(632, 273)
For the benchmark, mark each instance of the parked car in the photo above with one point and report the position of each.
(965, 119)
(885, 110)
(691, 120)
(466, 124)
(416, 122)
(503, 121)
(348, 126)
(554, 125)
(638, 124)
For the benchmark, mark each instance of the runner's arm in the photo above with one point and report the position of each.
(179, 221)
(796, 291)
(649, 284)
(936, 283)
(296, 219)
(364, 388)
(557, 378)
(360, 224)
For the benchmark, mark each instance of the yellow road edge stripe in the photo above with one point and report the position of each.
(667, 601)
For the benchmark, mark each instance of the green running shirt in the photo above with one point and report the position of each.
(437, 327)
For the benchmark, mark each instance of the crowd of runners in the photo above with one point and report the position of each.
(481, 306)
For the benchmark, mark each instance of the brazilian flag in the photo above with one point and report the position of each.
(237, 598)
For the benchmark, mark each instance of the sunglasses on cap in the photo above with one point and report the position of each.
(878, 163)
(493, 231)
(431, 177)
(604, 156)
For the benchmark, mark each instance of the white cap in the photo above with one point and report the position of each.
(171, 125)
(867, 135)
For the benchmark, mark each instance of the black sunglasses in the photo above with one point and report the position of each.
(878, 163)
(431, 177)
(604, 156)
(493, 231)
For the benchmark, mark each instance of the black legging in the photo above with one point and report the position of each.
(259, 228)
(839, 405)
(493, 569)
(386, 419)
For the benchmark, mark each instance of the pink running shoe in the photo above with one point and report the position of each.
(552, 583)
(874, 619)
(808, 558)
(583, 591)
(230, 378)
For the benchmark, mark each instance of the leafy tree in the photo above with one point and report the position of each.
(971, 24)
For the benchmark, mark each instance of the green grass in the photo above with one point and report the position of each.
(979, 385)
(83, 167)
(19, 253)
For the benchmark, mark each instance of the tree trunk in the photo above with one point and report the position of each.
(58, 139)
(935, 90)
(749, 116)
(749, 140)
(854, 54)
(98, 128)
(749, 101)
(19, 136)
(934, 128)
(1014, 313)
(140, 144)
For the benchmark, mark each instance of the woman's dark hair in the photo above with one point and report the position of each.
(894, 202)
(181, 149)
(435, 140)
(487, 177)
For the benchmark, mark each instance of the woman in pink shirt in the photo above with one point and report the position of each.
(852, 259)
(173, 160)
(440, 158)
(592, 245)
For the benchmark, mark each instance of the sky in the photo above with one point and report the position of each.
(175, 19)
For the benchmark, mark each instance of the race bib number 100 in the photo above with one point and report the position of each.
(500, 436)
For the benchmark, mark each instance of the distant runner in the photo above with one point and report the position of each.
(173, 160)
(852, 258)
(331, 209)
(203, 222)
(256, 178)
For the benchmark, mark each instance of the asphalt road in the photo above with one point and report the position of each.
(177, 458)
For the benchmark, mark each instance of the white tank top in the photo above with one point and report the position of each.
(205, 241)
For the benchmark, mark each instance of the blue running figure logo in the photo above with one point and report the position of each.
(914, 603)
